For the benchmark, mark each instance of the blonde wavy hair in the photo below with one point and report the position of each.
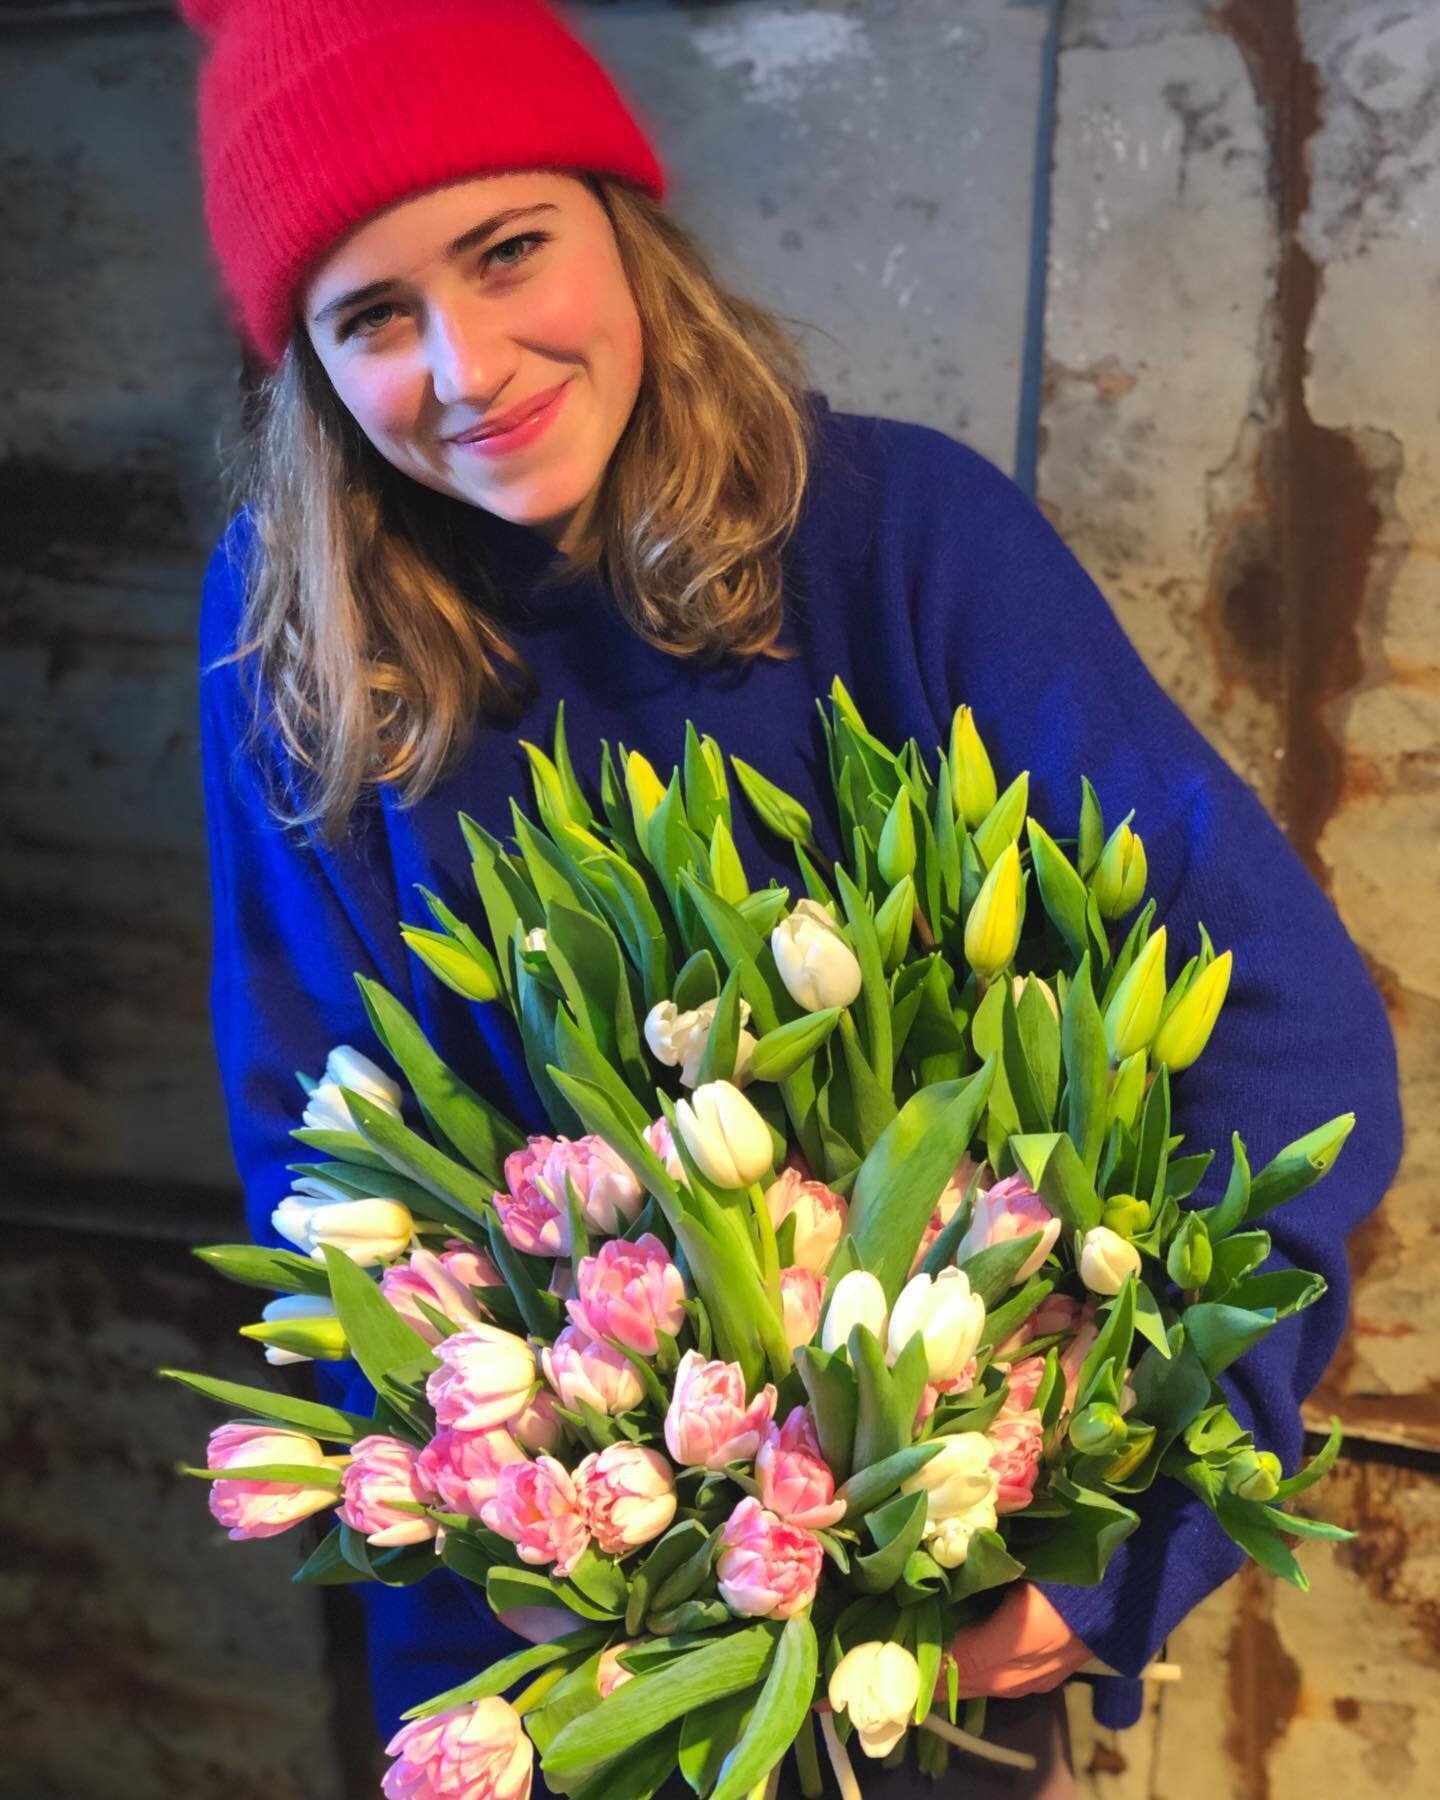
(360, 646)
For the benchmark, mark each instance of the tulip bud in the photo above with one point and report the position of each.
(858, 1299)
(1185, 1033)
(726, 1136)
(946, 1315)
(1191, 1258)
(878, 1685)
(299, 1328)
(895, 856)
(971, 777)
(536, 940)
(1254, 1475)
(1106, 1259)
(325, 1107)
(1125, 1215)
(449, 961)
(1001, 825)
(818, 967)
(1119, 879)
(646, 791)
(1134, 1012)
(1139, 1440)
(1097, 1428)
(1127, 1091)
(992, 930)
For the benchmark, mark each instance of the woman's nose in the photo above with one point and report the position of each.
(467, 357)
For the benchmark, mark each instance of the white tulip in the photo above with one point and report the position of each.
(946, 1315)
(958, 1484)
(1106, 1259)
(818, 967)
(726, 1136)
(325, 1108)
(536, 939)
(878, 1685)
(678, 1039)
(295, 1306)
(368, 1231)
(858, 1299)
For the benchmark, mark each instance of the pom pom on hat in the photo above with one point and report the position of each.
(314, 115)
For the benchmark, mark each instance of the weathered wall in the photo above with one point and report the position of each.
(1236, 431)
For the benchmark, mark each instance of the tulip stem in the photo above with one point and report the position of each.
(769, 1254)
(839, 1760)
(807, 1762)
(923, 931)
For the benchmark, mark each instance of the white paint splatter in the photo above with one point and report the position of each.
(892, 263)
(780, 51)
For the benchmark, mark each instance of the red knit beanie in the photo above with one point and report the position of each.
(317, 114)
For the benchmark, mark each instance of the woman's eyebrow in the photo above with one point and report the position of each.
(466, 241)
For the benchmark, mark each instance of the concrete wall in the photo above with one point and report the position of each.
(1205, 335)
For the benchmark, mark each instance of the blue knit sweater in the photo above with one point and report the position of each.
(923, 577)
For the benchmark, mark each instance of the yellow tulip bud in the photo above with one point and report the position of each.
(1134, 1013)
(1186, 1031)
(647, 790)
(1124, 1214)
(992, 930)
(971, 777)
(1119, 879)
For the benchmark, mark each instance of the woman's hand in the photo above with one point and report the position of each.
(1024, 1648)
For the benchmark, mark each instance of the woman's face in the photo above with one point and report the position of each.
(439, 316)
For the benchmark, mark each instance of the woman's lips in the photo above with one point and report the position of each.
(506, 443)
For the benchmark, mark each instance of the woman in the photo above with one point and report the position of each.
(517, 445)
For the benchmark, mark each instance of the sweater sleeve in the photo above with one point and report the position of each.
(288, 940)
(1009, 622)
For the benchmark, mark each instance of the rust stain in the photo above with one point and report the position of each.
(1384, 1557)
(1262, 1687)
(1106, 1759)
(1290, 577)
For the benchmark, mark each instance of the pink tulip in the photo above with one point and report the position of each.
(537, 1425)
(818, 1212)
(796, 1482)
(627, 1494)
(610, 1196)
(801, 1294)
(1015, 1443)
(945, 1209)
(609, 1672)
(529, 1217)
(629, 1292)
(425, 1277)
(474, 1752)
(484, 1379)
(766, 1569)
(657, 1136)
(470, 1265)
(579, 1368)
(1056, 1313)
(1025, 1378)
(261, 1509)
(1010, 1210)
(535, 1505)
(463, 1467)
(1072, 1358)
(709, 1423)
(382, 1471)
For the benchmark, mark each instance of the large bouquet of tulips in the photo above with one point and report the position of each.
(854, 1280)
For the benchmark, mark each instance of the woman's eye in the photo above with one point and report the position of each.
(357, 323)
(531, 238)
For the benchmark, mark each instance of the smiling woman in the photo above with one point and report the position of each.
(585, 378)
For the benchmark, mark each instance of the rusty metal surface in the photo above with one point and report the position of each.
(141, 1653)
(1250, 468)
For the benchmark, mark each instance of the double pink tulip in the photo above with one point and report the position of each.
(629, 1292)
(463, 1467)
(580, 1368)
(484, 1379)
(1016, 1440)
(381, 1472)
(801, 1293)
(709, 1422)
(426, 1277)
(529, 1216)
(536, 1506)
(819, 1216)
(796, 1482)
(474, 1752)
(766, 1569)
(627, 1494)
